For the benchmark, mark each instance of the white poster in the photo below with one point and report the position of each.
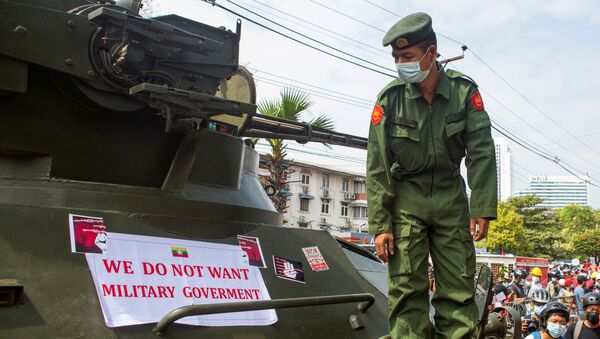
(139, 279)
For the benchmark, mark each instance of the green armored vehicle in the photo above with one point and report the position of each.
(129, 202)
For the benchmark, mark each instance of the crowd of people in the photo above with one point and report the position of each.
(566, 305)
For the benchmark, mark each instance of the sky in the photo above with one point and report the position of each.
(535, 63)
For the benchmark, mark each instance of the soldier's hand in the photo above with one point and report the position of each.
(479, 228)
(384, 245)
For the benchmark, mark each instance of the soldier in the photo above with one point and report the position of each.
(422, 126)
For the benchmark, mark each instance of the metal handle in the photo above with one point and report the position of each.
(365, 301)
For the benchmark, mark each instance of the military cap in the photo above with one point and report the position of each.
(409, 31)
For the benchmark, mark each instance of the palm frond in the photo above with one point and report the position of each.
(269, 107)
(323, 121)
(293, 103)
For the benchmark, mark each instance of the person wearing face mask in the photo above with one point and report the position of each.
(517, 286)
(590, 327)
(422, 126)
(553, 287)
(536, 281)
(531, 322)
(553, 322)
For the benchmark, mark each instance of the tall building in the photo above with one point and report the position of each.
(504, 168)
(558, 191)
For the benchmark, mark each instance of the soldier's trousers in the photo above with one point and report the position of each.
(444, 233)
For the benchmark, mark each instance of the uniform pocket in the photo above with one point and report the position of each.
(468, 263)
(402, 264)
(455, 138)
(404, 141)
(455, 123)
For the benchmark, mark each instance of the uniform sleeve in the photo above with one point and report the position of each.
(481, 161)
(380, 188)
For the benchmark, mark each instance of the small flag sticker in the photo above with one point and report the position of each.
(179, 252)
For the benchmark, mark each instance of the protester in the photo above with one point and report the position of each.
(531, 322)
(579, 293)
(516, 287)
(536, 280)
(553, 322)
(590, 327)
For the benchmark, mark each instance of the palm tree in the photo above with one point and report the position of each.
(291, 105)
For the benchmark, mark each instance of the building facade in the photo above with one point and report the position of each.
(324, 198)
(558, 191)
(504, 166)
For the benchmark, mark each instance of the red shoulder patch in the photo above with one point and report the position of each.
(377, 115)
(477, 101)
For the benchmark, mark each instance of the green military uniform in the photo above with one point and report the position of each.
(415, 190)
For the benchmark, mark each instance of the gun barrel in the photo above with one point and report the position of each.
(264, 126)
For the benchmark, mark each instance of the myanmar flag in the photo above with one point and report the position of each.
(179, 252)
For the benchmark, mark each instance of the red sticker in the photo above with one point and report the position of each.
(477, 101)
(377, 115)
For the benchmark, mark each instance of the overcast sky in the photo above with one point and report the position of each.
(546, 50)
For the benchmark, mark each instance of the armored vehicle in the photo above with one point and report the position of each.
(129, 200)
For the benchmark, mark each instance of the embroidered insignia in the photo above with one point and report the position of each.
(477, 101)
(401, 42)
(377, 115)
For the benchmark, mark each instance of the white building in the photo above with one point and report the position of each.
(324, 198)
(558, 191)
(504, 168)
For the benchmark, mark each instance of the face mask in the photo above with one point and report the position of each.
(522, 282)
(556, 330)
(535, 280)
(553, 279)
(410, 72)
(592, 317)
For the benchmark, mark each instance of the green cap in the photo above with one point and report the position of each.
(409, 31)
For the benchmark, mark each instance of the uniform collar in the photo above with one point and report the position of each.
(443, 88)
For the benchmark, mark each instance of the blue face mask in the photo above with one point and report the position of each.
(556, 330)
(410, 72)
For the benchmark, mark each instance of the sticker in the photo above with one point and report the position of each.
(251, 245)
(88, 234)
(477, 101)
(179, 252)
(377, 115)
(315, 259)
(288, 269)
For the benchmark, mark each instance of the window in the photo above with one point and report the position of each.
(344, 209)
(325, 206)
(325, 183)
(359, 187)
(345, 184)
(360, 212)
(305, 178)
(304, 205)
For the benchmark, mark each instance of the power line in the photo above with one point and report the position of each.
(309, 38)
(212, 2)
(366, 101)
(317, 94)
(546, 156)
(321, 30)
(490, 68)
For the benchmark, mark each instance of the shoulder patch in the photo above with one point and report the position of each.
(376, 115)
(477, 101)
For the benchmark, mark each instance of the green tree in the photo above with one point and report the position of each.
(541, 227)
(291, 105)
(507, 231)
(580, 229)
